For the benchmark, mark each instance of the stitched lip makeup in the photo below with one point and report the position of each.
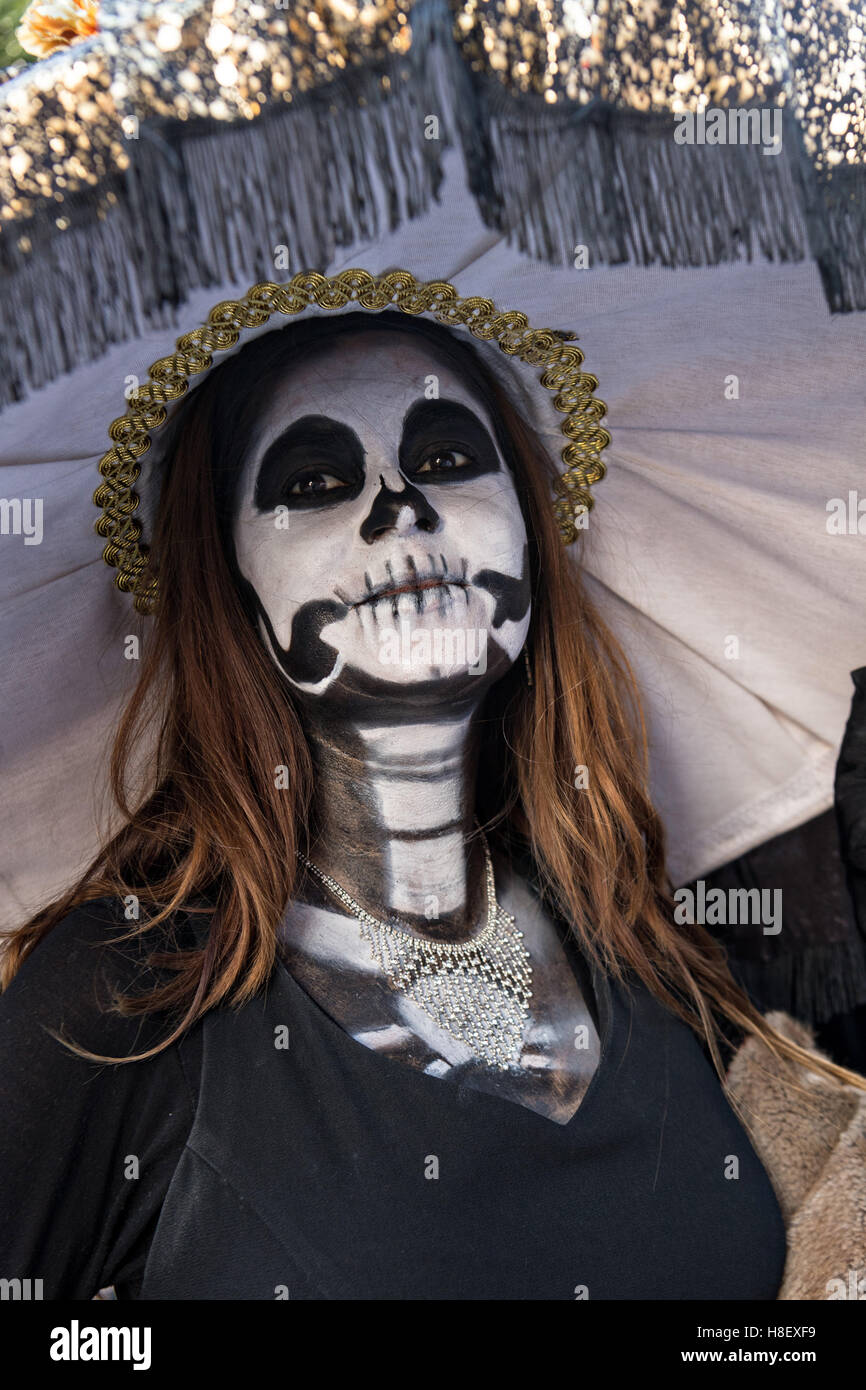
(394, 590)
(416, 581)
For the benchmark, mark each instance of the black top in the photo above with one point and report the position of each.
(234, 1166)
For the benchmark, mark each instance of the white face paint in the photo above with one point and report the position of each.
(380, 541)
(380, 531)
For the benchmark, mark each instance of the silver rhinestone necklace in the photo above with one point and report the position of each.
(478, 991)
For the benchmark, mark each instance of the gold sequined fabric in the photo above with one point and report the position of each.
(687, 56)
(184, 60)
(71, 119)
(175, 146)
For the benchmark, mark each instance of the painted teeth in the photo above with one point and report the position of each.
(403, 600)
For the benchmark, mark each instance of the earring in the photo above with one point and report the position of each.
(528, 667)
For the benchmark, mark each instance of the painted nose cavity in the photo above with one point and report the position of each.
(389, 509)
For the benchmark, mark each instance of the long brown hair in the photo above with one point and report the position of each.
(209, 831)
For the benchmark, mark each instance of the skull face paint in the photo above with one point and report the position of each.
(380, 542)
(379, 532)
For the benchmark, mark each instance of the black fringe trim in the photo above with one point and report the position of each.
(203, 206)
(818, 983)
(200, 207)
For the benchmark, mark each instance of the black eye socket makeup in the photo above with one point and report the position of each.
(318, 461)
(445, 442)
(314, 463)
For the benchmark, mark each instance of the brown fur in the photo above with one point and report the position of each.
(809, 1130)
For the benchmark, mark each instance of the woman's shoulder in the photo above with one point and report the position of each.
(88, 928)
(72, 1125)
(71, 980)
(117, 930)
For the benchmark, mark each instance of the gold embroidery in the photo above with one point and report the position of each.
(169, 379)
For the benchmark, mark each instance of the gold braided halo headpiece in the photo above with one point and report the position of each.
(168, 380)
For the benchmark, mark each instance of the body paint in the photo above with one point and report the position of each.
(400, 510)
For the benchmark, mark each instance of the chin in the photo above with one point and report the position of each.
(409, 649)
(392, 689)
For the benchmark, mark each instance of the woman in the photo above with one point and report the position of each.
(356, 1053)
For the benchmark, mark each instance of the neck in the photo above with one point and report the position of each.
(393, 808)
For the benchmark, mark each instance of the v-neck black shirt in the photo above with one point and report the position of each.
(270, 1155)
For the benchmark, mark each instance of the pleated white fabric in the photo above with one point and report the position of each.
(709, 548)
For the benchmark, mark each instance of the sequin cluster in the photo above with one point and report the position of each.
(68, 120)
(686, 56)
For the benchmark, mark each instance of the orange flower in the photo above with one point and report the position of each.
(47, 25)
